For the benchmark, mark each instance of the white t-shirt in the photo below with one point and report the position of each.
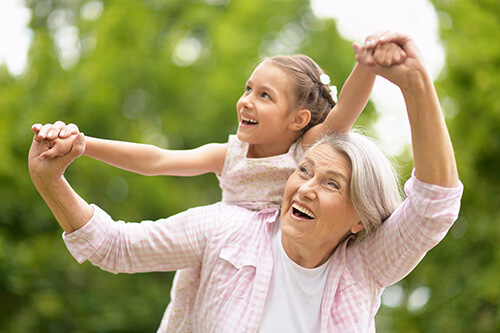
(293, 303)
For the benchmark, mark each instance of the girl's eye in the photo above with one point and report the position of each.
(266, 96)
(248, 89)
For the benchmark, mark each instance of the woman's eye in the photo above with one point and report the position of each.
(334, 185)
(303, 170)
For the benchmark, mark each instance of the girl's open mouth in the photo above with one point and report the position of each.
(248, 121)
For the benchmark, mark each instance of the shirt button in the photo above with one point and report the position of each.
(261, 289)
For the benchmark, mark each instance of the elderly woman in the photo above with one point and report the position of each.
(319, 264)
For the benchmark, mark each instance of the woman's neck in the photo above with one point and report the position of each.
(305, 256)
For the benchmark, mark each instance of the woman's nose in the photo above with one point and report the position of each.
(308, 189)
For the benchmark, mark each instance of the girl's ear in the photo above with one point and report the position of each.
(300, 119)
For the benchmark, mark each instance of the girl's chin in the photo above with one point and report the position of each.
(243, 136)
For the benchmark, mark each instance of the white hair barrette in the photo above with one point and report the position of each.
(325, 79)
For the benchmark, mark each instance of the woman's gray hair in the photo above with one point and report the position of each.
(374, 185)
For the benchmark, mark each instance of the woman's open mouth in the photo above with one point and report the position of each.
(302, 212)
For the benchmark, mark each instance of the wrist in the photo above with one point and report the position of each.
(416, 82)
(46, 183)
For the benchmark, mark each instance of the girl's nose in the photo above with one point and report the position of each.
(247, 101)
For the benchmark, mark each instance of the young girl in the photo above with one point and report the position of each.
(285, 107)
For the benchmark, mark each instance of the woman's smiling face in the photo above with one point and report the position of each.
(317, 213)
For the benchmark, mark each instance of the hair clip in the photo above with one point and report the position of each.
(325, 79)
(333, 93)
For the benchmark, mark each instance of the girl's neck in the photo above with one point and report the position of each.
(268, 150)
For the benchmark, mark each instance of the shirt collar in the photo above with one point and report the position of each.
(269, 215)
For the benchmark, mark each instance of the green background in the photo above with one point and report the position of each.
(127, 86)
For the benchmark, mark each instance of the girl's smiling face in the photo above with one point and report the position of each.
(265, 112)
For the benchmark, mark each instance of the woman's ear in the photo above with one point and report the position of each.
(300, 119)
(357, 227)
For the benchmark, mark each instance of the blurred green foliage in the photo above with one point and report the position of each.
(155, 71)
(462, 273)
(169, 73)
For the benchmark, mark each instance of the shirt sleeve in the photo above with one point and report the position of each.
(415, 227)
(163, 245)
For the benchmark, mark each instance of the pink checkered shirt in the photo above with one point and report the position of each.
(233, 247)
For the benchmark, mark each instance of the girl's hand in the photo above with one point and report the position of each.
(52, 131)
(388, 54)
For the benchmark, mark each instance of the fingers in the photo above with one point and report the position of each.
(401, 56)
(393, 56)
(385, 48)
(58, 147)
(382, 55)
(36, 142)
(47, 132)
(52, 131)
(54, 151)
(389, 54)
(385, 36)
(363, 55)
(396, 37)
(34, 150)
(373, 40)
(69, 130)
(358, 49)
(78, 146)
(36, 129)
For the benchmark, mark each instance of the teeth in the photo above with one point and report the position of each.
(250, 120)
(304, 210)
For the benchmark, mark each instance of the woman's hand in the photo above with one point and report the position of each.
(55, 137)
(69, 209)
(379, 59)
(46, 165)
(388, 54)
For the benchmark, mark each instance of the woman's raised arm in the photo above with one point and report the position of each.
(432, 148)
(70, 210)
